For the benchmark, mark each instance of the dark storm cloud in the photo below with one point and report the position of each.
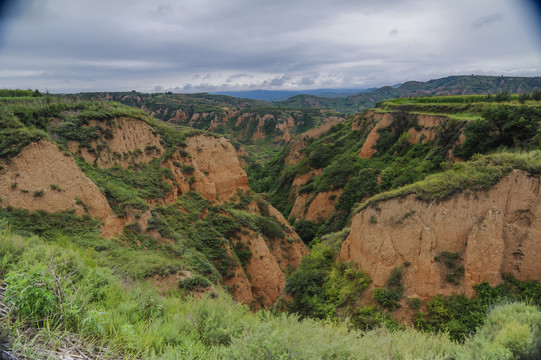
(198, 45)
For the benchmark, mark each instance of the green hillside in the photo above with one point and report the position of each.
(487, 124)
(68, 289)
(239, 119)
(452, 85)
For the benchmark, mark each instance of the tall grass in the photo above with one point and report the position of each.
(133, 320)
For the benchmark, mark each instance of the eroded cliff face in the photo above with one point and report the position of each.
(43, 177)
(263, 277)
(219, 172)
(492, 232)
(125, 141)
(316, 208)
(319, 207)
(245, 125)
(426, 128)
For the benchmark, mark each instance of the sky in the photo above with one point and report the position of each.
(228, 45)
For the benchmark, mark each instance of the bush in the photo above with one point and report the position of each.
(39, 193)
(368, 318)
(306, 230)
(455, 271)
(187, 169)
(194, 282)
(217, 321)
(510, 332)
(387, 298)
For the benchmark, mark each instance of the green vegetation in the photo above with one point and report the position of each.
(455, 271)
(498, 89)
(321, 286)
(306, 230)
(324, 288)
(234, 117)
(130, 188)
(459, 316)
(30, 120)
(503, 127)
(396, 163)
(389, 296)
(194, 282)
(80, 297)
(482, 172)
(64, 280)
(8, 93)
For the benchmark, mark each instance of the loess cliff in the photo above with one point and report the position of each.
(486, 234)
(83, 177)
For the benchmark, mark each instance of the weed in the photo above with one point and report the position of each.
(39, 193)
(56, 187)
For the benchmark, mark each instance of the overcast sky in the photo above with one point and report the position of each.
(212, 45)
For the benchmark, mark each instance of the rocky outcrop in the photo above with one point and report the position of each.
(266, 278)
(316, 208)
(42, 177)
(125, 141)
(217, 168)
(378, 121)
(278, 126)
(262, 279)
(426, 128)
(490, 233)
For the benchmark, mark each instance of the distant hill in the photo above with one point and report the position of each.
(278, 95)
(244, 120)
(451, 85)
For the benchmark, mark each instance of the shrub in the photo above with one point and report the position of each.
(187, 169)
(387, 298)
(414, 303)
(194, 282)
(217, 321)
(510, 332)
(395, 278)
(39, 193)
(56, 187)
(369, 317)
(306, 230)
(455, 271)
(502, 96)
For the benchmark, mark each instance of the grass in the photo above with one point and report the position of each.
(480, 173)
(64, 279)
(96, 306)
(463, 107)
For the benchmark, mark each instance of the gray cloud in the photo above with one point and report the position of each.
(487, 20)
(204, 45)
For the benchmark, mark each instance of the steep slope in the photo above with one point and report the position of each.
(401, 141)
(153, 187)
(434, 254)
(42, 177)
(486, 233)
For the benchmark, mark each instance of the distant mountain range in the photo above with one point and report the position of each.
(345, 101)
(278, 95)
(451, 85)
